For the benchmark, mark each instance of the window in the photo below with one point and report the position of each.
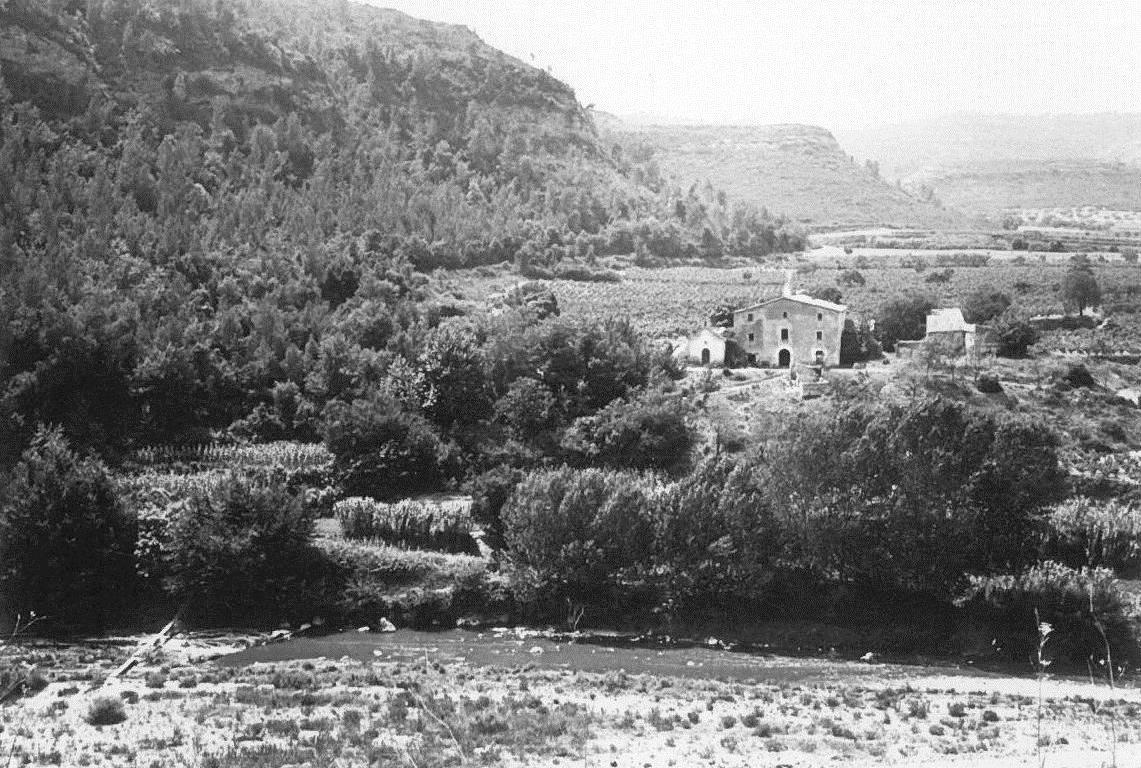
(750, 337)
(784, 315)
(750, 317)
(820, 335)
(820, 317)
(784, 334)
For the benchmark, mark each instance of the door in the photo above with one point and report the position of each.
(705, 356)
(784, 359)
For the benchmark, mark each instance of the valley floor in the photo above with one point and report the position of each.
(419, 699)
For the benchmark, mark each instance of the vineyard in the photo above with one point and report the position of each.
(673, 301)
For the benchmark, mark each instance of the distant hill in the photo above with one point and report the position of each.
(800, 170)
(987, 163)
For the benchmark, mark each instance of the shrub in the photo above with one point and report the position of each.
(489, 492)
(382, 450)
(106, 710)
(1014, 335)
(902, 318)
(577, 534)
(715, 542)
(1074, 602)
(1083, 532)
(412, 586)
(407, 523)
(243, 550)
(65, 538)
(988, 383)
(647, 432)
(984, 305)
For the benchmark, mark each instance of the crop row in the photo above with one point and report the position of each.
(408, 523)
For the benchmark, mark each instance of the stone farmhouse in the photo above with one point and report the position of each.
(778, 332)
(791, 329)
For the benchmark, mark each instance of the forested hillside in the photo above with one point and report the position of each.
(218, 213)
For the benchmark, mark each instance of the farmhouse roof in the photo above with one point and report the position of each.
(801, 298)
(949, 320)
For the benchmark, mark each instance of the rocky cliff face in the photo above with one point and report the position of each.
(254, 61)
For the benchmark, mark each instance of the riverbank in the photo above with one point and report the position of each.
(513, 698)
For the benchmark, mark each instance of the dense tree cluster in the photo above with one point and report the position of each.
(909, 498)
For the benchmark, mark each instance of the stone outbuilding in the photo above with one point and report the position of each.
(706, 347)
(950, 328)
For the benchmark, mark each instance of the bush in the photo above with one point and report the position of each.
(242, 551)
(66, 541)
(382, 450)
(1083, 532)
(411, 586)
(578, 535)
(106, 710)
(984, 305)
(1015, 335)
(489, 492)
(408, 524)
(988, 384)
(647, 432)
(715, 541)
(1073, 602)
(902, 318)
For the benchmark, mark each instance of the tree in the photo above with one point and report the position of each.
(382, 450)
(647, 432)
(826, 293)
(66, 541)
(242, 547)
(903, 317)
(1080, 289)
(984, 305)
(577, 534)
(851, 277)
(1014, 334)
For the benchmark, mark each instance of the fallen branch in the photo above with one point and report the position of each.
(156, 642)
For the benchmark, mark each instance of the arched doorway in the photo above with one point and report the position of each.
(705, 356)
(784, 359)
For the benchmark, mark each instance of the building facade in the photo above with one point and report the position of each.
(790, 330)
(706, 347)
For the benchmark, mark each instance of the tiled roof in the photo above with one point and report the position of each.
(802, 299)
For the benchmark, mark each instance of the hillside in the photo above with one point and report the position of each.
(255, 60)
(215, 201)
(988, 163)
(799, 170)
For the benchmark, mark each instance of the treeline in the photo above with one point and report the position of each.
(854, 508)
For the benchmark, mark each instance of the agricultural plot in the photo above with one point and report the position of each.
(673, 301)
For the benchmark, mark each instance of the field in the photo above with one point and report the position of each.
(412, 704)
(673, 301)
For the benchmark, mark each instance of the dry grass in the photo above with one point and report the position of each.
(439, 712)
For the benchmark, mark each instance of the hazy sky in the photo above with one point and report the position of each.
(838, 63)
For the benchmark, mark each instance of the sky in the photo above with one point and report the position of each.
(837, 63)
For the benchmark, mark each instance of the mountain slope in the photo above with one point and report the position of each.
(987, 163)
(797, 169)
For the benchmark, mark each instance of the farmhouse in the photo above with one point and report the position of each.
(791, 329)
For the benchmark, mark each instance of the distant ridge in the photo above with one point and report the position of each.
(800, 170)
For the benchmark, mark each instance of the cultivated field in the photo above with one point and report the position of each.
(677, 300)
